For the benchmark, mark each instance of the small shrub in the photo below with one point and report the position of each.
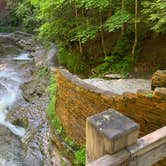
(43, 71)
(80, 157)
(74, 62)
(124, 66)
(121, 48)
(102, 68)
(54, 121)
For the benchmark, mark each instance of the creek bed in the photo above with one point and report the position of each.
(24, 129)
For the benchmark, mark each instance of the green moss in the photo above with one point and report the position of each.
(149, 95)
(80, 157)
(74, 62)
(55, 122)
(43, 71)
(79, 152)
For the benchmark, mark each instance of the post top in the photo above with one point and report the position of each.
(113, 124)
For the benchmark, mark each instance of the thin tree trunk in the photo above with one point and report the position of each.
(135, 26)
(123, 26)
(80, 45)
(102, 36)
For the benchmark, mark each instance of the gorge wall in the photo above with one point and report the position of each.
(77, 100)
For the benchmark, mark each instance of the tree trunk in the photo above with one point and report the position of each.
(123, 27)
(102, 36)
(80, 45)
(135, 26)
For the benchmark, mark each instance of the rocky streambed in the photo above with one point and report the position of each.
(24, 129)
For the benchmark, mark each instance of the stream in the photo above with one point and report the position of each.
(24, 130)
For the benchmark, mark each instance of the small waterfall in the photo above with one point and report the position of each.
(9, 92)
(23, 57)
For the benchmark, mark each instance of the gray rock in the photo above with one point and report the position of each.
(112, 76)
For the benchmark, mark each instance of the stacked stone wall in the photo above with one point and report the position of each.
(77, 100)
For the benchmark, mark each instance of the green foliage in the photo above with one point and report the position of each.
(101, 69)
(78, 26)
(73, 62)
(26, 12)
(123, 66)
(23, 13)
(46, 32)
(43, 71)
(52, 86)
(94, 4)
(57, 125)
(84, 34)
(117, 20)
(149, 95)
(118, 61)
(121, 48)
(156, 12)
(112, 65)
(54, 121)
(73, 24)
(80, 157)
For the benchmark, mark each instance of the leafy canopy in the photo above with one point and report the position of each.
(156, 12)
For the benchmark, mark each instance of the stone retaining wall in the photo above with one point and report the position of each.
(77, 100)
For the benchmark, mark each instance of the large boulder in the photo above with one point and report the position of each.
(159, 79)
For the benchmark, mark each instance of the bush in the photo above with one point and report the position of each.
(54, 121)
(118, 61)
(80, 157)
(121, 48)
(111, 64)
(73, 62)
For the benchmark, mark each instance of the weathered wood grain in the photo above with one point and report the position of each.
(109, 132)
(148, 150)
(118, 159)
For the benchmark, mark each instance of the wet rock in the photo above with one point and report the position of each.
(159, 79)
(28, 44)
(9, 155)
(24, 40)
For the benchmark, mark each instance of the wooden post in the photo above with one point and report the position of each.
(109, 132)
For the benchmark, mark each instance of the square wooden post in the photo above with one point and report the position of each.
(109, 132)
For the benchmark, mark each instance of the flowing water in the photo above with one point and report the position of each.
(11, 77)
(20, 145)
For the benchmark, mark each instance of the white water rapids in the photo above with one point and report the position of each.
(10, 81)
(24, 130)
